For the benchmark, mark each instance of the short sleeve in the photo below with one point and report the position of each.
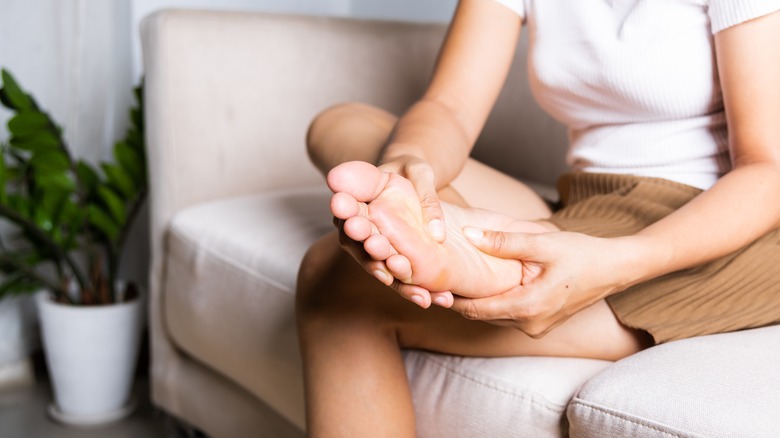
(727, 13)
(518, 6)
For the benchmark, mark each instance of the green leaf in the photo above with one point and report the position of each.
(27, 123)
(119, 179)
(43, 220)
(19, 204)
(76, 218)
(13, 93)
(137, 116)
(102, 221)
(61, 181)
(114, 204)
(38, 141)
(4, 177)
(50, 161)
(53, 202)
(131, 162)
(88, 176)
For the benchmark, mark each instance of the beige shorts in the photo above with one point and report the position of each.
(739, 291)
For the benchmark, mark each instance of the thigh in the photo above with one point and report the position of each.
(482, 186)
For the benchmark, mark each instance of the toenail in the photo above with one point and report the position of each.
(416, 299)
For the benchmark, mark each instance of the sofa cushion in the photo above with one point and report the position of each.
(725, 385)
(229, 282)
(230, 277)
(494, 397)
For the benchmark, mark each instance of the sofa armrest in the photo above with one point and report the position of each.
(228, 100)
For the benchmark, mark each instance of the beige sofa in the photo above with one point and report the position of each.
(235, 204)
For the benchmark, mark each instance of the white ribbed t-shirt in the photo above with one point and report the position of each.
(635, 81)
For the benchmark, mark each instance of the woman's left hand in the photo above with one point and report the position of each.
(563, 273)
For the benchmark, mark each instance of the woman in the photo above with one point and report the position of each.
(667, 228)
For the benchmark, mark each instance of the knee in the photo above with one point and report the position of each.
(313, 276)
(331, 287)
(325, 127)
(324, 285)
(346, 132)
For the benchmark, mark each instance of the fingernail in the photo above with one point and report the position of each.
(473, 234)
(416, 299)
(441, 301)
(382, 276)
(436, 228)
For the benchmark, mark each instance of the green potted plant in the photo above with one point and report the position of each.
(70, 222)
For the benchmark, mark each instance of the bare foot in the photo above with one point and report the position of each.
(383, 211)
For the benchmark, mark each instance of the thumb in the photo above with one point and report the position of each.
(501, 244)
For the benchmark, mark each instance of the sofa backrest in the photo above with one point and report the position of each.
(230, 90)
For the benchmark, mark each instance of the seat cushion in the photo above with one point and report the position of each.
(725, 385)
(228, 300)
(229, 280)
(494, 397)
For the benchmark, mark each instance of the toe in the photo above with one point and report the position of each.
(400, 267)
(344, 205)
(360, 179)
(359, 228)
(378, 247)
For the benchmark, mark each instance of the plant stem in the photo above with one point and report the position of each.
(115, 257)
(30, 273)
(41, 237)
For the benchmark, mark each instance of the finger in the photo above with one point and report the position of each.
(355, 249)
(491, 308)
(413, 293)
(378, 247)
(423, 179)
(416, 294)
(379, 271)
(400, 267)
(504, 245)
(442, 299)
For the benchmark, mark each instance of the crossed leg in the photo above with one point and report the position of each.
(352, 328)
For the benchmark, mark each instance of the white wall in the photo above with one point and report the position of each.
(410, 10)
(73, 55)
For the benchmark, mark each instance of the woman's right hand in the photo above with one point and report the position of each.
(423, 178)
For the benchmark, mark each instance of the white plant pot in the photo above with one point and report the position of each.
(91, 352)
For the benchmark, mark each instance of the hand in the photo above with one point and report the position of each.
(421, 174)
(563, 273)
(416, 294)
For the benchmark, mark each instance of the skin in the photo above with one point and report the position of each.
(352, 327)
(392, 230)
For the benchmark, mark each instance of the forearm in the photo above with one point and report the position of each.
(737, 210)
(433, 133)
